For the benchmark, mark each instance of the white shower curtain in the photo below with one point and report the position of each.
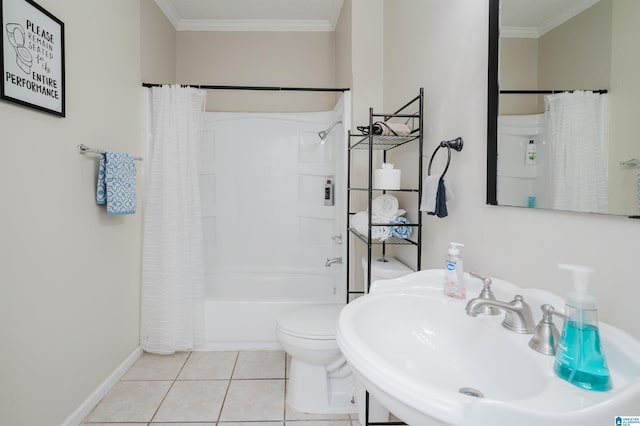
(172, 306)
(577, 131)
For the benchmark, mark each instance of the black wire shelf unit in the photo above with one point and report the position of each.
(412, 114)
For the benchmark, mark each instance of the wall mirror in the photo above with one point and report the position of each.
(563, 103)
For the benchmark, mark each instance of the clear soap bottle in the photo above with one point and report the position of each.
(454, 285)
(579, 359)
(531, 156)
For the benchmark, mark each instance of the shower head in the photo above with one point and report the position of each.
(323, 134)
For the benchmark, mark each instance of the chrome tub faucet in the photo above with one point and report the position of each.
(330, 262)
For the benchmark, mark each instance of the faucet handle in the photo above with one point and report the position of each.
(486, 293)
(485, 280)
(546, 336)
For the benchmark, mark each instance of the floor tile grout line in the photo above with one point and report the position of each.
(235, 363)
(286, 383)
(155, 413)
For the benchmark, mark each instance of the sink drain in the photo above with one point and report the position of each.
(471, 392)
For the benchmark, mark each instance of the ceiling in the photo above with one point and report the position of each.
(518, 18)
(252, 15)
(534, 18)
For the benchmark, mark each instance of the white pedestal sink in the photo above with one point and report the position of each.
(416, 351)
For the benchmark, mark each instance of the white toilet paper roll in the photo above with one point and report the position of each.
(387, 178)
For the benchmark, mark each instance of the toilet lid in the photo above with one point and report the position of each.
(313, 322)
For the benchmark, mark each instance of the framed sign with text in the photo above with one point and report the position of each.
(32, 60)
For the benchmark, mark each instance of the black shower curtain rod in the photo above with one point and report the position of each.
(272, 88)
(546, 92)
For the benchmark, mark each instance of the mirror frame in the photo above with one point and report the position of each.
(493, 97)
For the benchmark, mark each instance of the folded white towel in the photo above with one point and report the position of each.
(360, 222)
(381, 233)
(385, 208)
(429, 191)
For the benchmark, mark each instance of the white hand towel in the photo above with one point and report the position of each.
(386, 208)
(429, 191)
(360, 222)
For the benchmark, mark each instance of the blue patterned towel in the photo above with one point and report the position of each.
(117, 183)
(400, 231)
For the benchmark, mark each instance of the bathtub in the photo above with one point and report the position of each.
(241, 308)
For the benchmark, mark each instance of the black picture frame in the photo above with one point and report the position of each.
(32, 57)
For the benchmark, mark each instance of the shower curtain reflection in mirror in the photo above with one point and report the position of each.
(576, 129)
(570, 167)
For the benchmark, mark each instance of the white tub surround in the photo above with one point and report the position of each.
(267, 230)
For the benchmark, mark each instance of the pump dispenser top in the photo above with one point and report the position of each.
(579, 359)
(454, 250)
(579, 298)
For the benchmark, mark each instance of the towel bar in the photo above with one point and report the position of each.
(83, 149)
(632, 162)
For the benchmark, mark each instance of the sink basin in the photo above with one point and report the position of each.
(419, 353)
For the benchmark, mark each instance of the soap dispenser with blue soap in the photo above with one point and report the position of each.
(579, 359)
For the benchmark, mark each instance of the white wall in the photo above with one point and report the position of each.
(343, 43)
(448, 41)
(157, 45)
(69, 286)
(270, 58)
(623, 107)
(519, 71)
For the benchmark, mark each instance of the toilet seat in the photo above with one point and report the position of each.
(317, 322)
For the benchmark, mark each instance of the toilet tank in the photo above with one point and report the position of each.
(384, 270)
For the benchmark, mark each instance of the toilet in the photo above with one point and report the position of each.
(320, 381)
(384, 269)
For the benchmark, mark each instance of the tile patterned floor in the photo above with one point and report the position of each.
(206, 389)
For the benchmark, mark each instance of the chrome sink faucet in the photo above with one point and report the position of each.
(330, 262)
(518, 317)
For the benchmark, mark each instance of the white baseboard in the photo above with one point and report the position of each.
(92, 400)
(223, 345)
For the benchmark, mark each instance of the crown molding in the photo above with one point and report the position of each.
(169, 10)
(564, 16)
(167, 7)
(253, 25)
(336, 13)
(549, 24)
(519, 32)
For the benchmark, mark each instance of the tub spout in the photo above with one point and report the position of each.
(330, 262)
